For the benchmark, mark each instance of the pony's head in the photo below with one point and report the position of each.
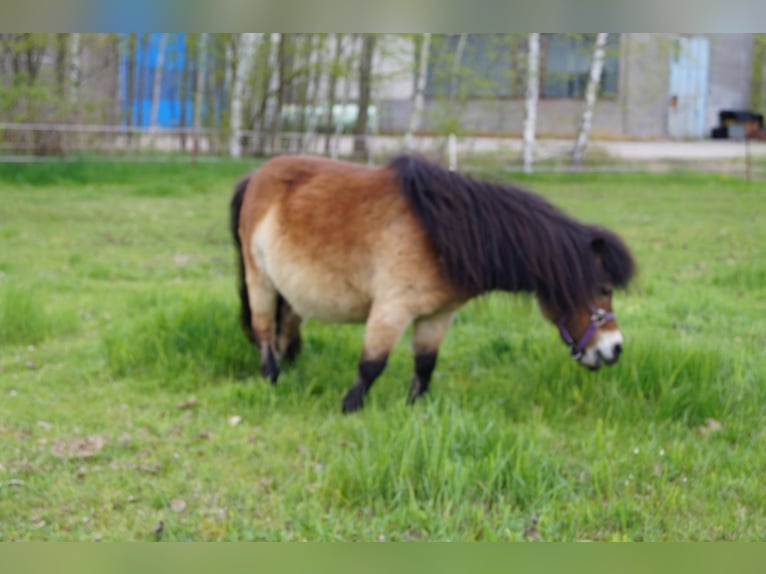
(587, 322)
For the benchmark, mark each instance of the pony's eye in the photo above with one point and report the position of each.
(606, 291)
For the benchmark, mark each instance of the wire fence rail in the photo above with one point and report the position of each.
(28, 142)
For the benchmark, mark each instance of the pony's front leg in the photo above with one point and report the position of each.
(426, 339)
(384, 327)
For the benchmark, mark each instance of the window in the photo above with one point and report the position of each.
(487, 66)
(566, 65)
(494, 66)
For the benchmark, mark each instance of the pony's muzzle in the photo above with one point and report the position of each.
(608, 346)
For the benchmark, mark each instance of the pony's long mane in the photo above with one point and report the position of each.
(490, 236)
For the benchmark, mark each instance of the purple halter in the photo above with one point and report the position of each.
(597, 319)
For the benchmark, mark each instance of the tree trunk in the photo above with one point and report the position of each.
(117, 43)
(303, 88)
(533, 86)
(280, 47)
(365, 85)
(456, 64)
(142, 78)
(417, 98)
(317, 70)
(61, 58)
(157, 87)
(199, 87)
(343, 105)
(248, 47)
(131, 73)
(261, 121)
(185, 88)
(74, 68)
(331, 87)
(591, 95)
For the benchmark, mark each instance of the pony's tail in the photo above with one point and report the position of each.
(236, 209)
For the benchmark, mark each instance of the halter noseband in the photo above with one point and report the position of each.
(577, 348)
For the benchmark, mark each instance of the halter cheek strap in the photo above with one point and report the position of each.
(577, 348)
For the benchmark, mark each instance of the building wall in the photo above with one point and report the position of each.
(644, 85)
(640, 111)
(731, 65)
(555, 117)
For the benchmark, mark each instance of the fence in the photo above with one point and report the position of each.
(38, 142)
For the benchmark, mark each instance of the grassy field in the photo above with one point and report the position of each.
(130, 409)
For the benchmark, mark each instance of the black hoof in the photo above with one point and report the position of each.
(354, 400)
(293, 350)
(416, 392)
(269, 369)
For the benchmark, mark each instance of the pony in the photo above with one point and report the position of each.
(409, 243)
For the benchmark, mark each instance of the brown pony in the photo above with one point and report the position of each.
(410, 243)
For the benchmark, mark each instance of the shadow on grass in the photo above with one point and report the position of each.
(189, 341)
(184, 340)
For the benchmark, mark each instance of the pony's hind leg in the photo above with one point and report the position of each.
(384, 327)
(288, 331)
(263, 309)
(427, 336)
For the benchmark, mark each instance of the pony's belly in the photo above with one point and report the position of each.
(314, 288)
(323, 298)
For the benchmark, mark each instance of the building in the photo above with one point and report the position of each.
(654, 86)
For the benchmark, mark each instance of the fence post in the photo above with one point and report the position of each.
(452, 147)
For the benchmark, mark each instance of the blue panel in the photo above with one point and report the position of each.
(169, 110)
(689, 65)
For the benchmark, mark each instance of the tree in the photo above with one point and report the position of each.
(345, 97)
(420, 86)
(332, 84)
(316, 71)
(132, 47)
(61, 58)
(591, 94)
(279, 55)
(199, 86)
(157, 84)
(248, 47)
(74, 68)
(456, 64)
(142, 77)
(185, 78)
(365, 85)
(533, 86)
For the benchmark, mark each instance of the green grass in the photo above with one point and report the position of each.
(129, 395)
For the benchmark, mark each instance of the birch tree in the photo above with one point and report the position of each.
(365, 86)
(456, 64)
(141, 87)
(74, 67)
(591, 94)
(417, 99)
(248, 47)
(159, 67)
(199, 86)
(332, 85)
(317, 69)
(132, 47)
(533, 87)
(278, 55)
(185, 87)
(343, 106)
(61, 58)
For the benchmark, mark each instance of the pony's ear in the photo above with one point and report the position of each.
(614, 256)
